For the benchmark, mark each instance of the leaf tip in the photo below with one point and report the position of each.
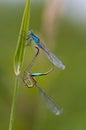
(17, 71)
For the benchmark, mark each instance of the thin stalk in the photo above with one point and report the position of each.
(13, 107)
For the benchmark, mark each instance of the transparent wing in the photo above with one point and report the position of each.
(54, 59)
(49, 102)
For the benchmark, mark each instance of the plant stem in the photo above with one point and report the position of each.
(19, 54)
(13, 107)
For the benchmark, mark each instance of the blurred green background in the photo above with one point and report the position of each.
(67, 87)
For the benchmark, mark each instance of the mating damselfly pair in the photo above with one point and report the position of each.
(29, 78)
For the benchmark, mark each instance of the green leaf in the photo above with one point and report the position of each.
(19, 54)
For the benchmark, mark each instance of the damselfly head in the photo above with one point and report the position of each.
(29, 34)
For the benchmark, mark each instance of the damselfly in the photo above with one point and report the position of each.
(30, 82)
(55, 60)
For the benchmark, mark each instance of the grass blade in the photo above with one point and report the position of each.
(19, 54)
